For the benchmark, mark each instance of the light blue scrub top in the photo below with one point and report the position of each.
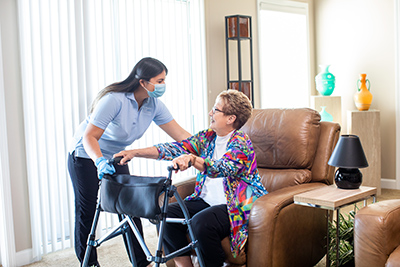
(123, 123)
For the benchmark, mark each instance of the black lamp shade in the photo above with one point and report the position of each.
(348, 153)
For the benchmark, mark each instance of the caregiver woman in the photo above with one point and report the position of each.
(120, 114)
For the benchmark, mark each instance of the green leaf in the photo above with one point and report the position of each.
(346, 236)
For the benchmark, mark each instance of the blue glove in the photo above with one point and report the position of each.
(103, 167)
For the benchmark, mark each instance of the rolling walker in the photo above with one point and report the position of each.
(123, 194)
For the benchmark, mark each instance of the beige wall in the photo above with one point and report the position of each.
(356, 37)
(215, 12)
(15, 124)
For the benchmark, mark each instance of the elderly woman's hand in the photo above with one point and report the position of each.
(126, 155)
(183, 162)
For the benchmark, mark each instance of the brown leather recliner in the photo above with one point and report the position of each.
(292, 150)
(377, 235)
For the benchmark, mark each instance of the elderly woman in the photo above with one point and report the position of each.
(226, 186)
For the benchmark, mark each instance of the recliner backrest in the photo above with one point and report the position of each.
(285, 142)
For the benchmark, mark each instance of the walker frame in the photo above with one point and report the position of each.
(126, 223)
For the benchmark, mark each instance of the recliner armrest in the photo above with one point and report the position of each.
(267, 228)
(377, 233)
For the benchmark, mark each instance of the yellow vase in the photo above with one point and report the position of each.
(363, 97)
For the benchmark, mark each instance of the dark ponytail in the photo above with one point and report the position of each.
(145, 69)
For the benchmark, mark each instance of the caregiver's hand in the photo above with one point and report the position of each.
(103, 167)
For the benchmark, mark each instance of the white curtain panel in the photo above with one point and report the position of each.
(7, 240)
(71, 49)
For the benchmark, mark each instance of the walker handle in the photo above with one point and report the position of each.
(116, 160)
(171, 168)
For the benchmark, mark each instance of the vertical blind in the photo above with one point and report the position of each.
(7, 240)
(71, 49)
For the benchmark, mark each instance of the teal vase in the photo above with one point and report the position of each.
(325, 81)
(325, 116)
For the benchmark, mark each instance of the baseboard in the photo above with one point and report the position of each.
(388, 183)
(24, 257)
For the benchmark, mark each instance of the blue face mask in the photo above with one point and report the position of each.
(159, 90)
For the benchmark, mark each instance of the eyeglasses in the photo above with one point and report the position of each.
(214, 109)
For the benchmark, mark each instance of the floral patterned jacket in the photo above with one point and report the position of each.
(239, 167)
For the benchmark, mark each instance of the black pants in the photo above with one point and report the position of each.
(84, 179)
(210, 225)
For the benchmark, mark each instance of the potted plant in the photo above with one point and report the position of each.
(346, 237)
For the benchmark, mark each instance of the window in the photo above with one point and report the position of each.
(285, 64)
(72, 49)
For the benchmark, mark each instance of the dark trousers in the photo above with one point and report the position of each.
(85, 182)
(210, 225)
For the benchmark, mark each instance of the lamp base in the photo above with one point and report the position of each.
(348, 178)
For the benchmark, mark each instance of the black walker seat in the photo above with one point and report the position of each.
(137, 196)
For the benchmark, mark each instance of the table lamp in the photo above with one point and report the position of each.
(348, 155)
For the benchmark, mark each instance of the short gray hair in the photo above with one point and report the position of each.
(238, 104)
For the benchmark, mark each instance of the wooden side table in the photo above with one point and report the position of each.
(332, 198)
